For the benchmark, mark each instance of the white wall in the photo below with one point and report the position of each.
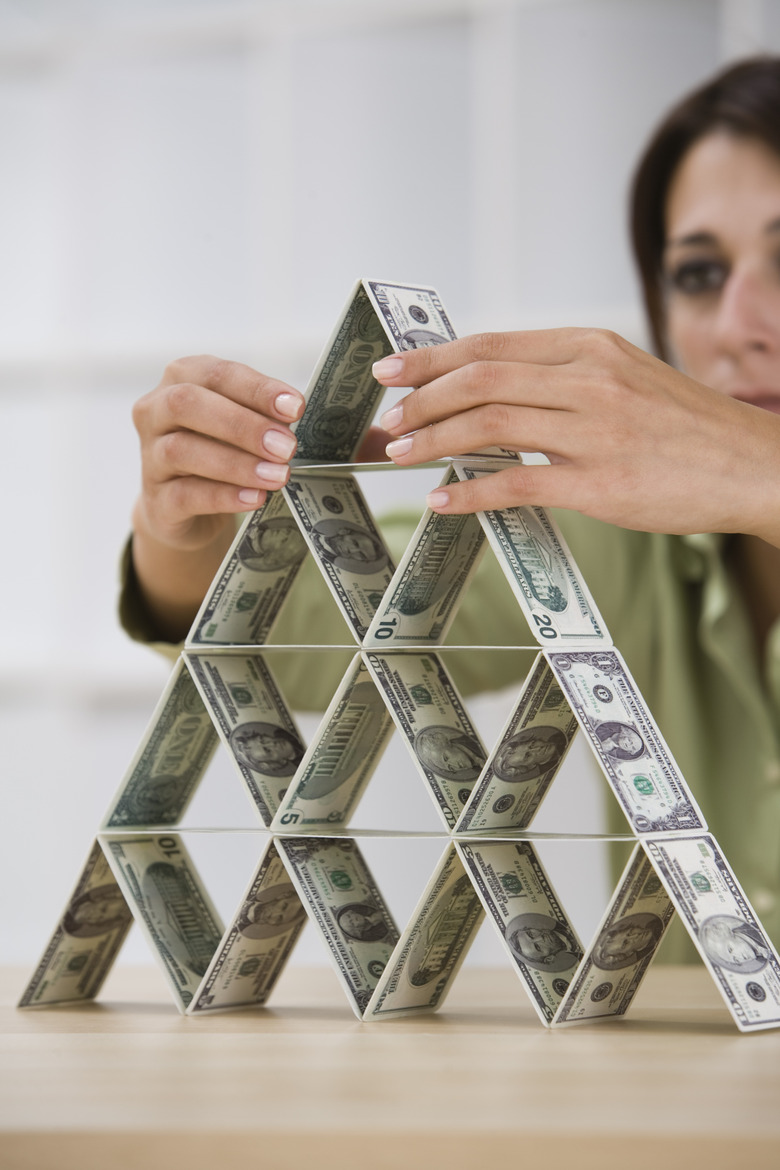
(210, 176)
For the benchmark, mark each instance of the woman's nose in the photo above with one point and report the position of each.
(747, 317)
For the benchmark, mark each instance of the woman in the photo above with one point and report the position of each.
(631, 441)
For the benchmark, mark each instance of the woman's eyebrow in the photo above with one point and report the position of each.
(694, 239)
(773, 226)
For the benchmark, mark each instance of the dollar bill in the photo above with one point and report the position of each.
(415, 318)
(433, 946)
(173, 755)
(160, 882)
(341, 896)
(348, 546)
(342, 756)
(380, 318)
(624, 947)
(257, 944)
(631, 750)
(723, 925)
(254, 579)
(423, 596)
(343, 394)
(541, 571)
(536, 933)
(429, 712)
(526, 759)
(254, 721)
(86, 941)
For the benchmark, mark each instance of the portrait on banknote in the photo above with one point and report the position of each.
(271, 912)
(530, 754)
(625, 942)
(96, 912)
(732, 943)
(349, 546)
(271, 545)
(266, 748)
(449, 752)
(361, 921)
(621, 741)
(542, 942)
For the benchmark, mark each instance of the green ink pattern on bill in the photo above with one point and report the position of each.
(422, 599)
(625, 944)
(342, 756)
(626, 741)
(174, 753)
(257, 944)
(254, 721)
(541, 571)
(171, 905)
(723, 925)
(254, 580)
(347, 545)
(429, 712)
(526, 759)
(341, 896)
(536, 933)
(433, 946)
(87, 939)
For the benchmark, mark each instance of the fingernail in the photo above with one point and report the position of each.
(437, 500)
(289, 405)
(272, 472)
(247, 496)
(389, 368)
(399, 447)
(393, 417)
(280, 443)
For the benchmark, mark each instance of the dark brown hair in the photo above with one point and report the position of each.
(744, 99)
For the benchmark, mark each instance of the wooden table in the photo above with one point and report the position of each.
(128, 1082)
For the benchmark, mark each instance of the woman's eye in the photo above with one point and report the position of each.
(697, 276)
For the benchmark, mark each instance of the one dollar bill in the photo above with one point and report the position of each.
(626, 741)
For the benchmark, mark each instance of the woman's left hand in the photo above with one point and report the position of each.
(630, 440)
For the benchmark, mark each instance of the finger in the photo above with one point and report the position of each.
(192, 407)
(179, 500)
(240, 383)
(516, 428)
(372, 449)
(536, 484)
(184, 453)
(540, 346)
(501, 383)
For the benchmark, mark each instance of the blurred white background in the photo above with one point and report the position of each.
(184, 176)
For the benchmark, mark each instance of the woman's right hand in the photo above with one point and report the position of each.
(215, 439)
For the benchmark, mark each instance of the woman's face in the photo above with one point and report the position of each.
(722, 264)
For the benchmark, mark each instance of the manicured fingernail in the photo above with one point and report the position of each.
(437, 500)
(272, 472)
(247, 496)
(289, 405)
(280, 443)
(388, 368)
(393, 417)
(398, 447)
